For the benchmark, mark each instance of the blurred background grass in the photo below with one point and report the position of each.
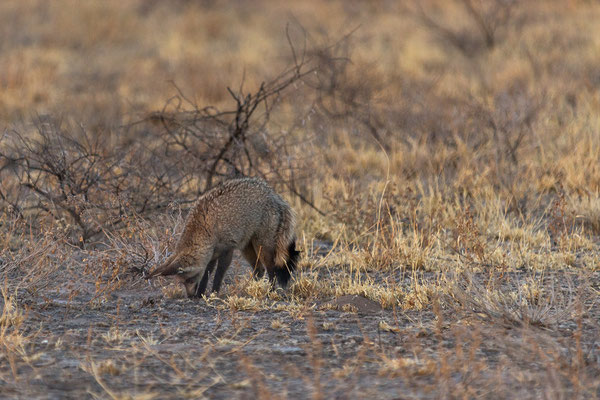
(417, 114)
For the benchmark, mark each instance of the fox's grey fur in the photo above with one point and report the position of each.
(244, 214)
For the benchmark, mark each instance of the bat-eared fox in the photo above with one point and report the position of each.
(244, 214)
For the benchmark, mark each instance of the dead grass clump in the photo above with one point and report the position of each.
(173, 292)
(12, 316)
(406, 367)
(28, 261)
(388, 296)
(307, 285)
(257, 380)
(115, 336)
(238, 303)
(109, 368)
(586, 211)
(419, 297)
(537, 299)
(14, 341)
(259, 289)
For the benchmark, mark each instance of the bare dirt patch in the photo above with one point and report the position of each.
(138, 343)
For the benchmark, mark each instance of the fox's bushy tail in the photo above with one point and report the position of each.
(286, 255)
(284, 273)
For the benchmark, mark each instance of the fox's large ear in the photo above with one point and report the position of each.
(170, 267)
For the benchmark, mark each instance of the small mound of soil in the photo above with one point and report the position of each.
(357, 303)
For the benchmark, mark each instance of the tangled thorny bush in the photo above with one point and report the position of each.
(258, 135)
(84, 180)
(237, 141)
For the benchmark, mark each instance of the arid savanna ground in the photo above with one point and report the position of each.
(443, 159)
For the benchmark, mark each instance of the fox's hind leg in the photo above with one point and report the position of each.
(250, 255)
(223, 264)
(267, 257)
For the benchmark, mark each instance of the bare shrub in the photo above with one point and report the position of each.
(486, 22)
(467, 240)
(502, 129)
(79, 178)
(243, 140)
(347, 92)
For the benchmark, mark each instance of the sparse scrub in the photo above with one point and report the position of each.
(482, 22)
(82, 179)
(441, 159)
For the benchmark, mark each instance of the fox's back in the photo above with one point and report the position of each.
(233, 212)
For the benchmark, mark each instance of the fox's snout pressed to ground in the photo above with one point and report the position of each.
(244, 214)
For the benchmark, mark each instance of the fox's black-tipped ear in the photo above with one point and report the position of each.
(170, 267)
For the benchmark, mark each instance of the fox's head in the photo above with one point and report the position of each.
(179, 265)
(183, 268)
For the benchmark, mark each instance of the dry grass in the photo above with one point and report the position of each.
(442, 158)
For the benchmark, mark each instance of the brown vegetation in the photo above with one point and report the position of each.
(442, 158)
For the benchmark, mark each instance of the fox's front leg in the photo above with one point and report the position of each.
(224, 262)
(194, 286)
